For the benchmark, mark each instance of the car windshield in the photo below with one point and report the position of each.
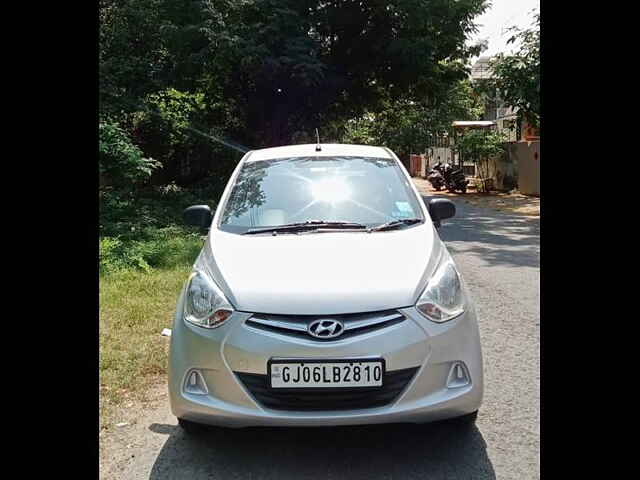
(363, 190)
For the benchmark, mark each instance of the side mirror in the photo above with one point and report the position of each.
(198, 216)
(441, 208)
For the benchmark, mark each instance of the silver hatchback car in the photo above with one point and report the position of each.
(323, 295)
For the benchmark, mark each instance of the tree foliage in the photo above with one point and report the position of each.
(406, 125)
(121, 162)
(132, 56)
(173, 128)
(517, 77)
(344, 58)
(281, 66)
(480, 146)
(477, 144)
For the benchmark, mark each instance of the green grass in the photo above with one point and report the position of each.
(134, 308)
(146, 255)
(135, 305)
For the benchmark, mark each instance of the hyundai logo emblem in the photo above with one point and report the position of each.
(325, 328)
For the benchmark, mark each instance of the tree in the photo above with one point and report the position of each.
(517, 77)
(406, 125)
(479, 146)
(131, 55)
(156, 84)
(299, 64)
(269, 71)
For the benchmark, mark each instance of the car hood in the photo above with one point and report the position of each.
(322, 273)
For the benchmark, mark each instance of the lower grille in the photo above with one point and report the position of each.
(393, 384)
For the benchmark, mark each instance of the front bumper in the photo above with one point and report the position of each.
(235, 347)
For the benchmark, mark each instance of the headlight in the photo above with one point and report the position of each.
(442, 300)
(205, 305)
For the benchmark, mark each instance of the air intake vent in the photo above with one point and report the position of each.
(329, 399)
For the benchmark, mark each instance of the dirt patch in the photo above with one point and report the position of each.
(127, 412)
(511, 202)
(123, 442)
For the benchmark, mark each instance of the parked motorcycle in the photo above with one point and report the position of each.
(435, 178)
(454, 178)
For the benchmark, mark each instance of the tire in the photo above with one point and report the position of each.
(463, 189)
(191, 428)
(438, 188)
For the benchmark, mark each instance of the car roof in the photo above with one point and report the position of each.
(327, 150)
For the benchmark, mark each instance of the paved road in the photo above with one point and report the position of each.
(498, 255)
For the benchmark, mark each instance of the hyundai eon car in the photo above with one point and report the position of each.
(323, 295)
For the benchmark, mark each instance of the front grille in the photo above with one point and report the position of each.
(297, 325)
(393, 383)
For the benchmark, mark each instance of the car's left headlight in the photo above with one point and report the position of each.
(442, 299)
(205, 305)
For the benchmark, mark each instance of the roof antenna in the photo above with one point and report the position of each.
(318, 149)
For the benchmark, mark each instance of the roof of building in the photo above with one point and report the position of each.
(473, 123)
(481, 69)
(327, 150)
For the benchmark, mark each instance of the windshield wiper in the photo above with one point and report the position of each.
(395, 223)
(308, 225)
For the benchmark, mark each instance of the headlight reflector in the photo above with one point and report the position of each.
(205, 305)
(442, 300)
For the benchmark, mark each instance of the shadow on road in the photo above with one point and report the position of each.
(359, 452)
(499, 238)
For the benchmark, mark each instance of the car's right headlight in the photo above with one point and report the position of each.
(205, 305)
(442, 299)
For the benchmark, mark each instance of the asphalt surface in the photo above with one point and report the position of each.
(498, 255)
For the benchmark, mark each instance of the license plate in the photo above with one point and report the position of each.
(326, 373)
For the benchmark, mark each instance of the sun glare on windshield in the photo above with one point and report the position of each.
(330, 190)
(365, 190)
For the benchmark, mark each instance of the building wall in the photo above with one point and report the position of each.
(431, 157)
(416, 165)
(519, 167)
(526, 157)
(445, 154)
(503, 171)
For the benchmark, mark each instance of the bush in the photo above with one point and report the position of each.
(479, 146)
(162, 248)
(121, 162)
(109, 254)
(144, 231)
